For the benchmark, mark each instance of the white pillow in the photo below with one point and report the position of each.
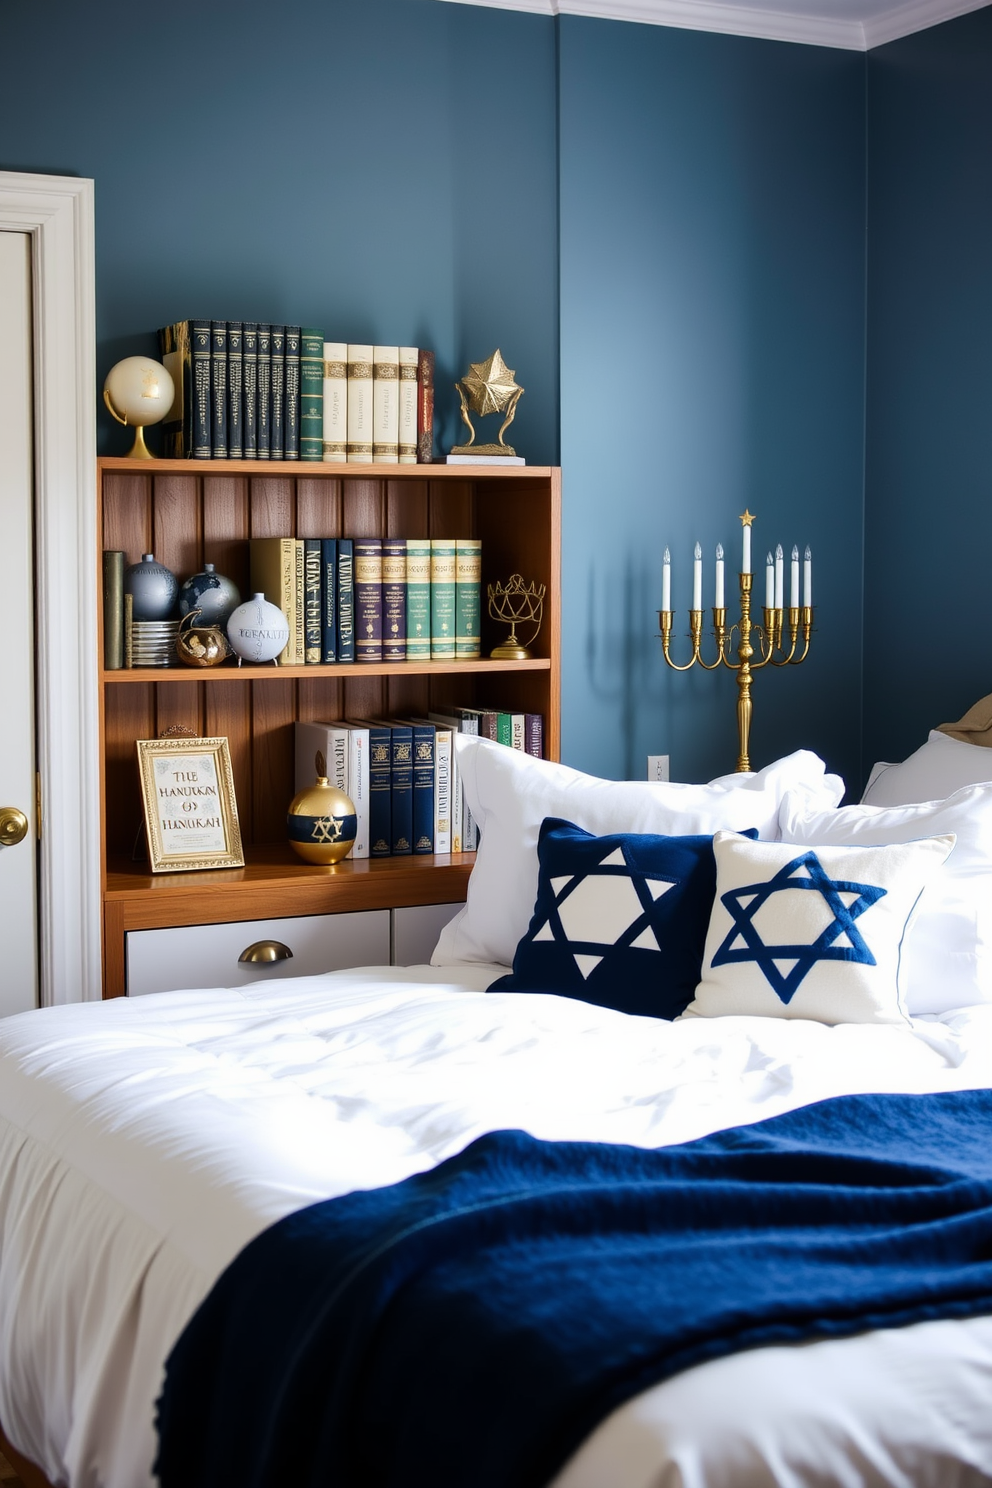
(937, 768)
(510, 793)
(949, 944)
(814, 933)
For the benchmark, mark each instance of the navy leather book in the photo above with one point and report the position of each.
(291, 400)
(401, 788)
(368, 599)
(328, 599)
(200, 355)
(277, 430)
(380, 790)
(235, 390)
(218, 389)
(346, 599)
(264, 392)
(423, 787)
(249, 383)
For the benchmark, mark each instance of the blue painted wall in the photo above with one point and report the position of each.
(712, 321)
(385, 170)
(689, 210)
(928, 651)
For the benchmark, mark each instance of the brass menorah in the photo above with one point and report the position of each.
(773, 648)
(516, 603)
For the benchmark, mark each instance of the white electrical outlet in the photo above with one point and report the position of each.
(657, 766)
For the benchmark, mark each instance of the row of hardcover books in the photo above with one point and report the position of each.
(372, 599)
(245, 390)
(402, 774)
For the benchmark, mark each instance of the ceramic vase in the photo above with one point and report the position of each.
(153, 589)
(215, 596)
(257, 630)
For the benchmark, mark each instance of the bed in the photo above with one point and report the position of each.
(145, 1143)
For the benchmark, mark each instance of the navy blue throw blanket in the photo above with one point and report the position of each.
(471, 1325)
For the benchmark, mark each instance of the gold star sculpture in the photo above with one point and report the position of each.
(488, 387)
(746, 518)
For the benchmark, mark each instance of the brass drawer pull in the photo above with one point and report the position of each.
(264, 952)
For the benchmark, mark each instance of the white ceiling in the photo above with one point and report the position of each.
(854, 24)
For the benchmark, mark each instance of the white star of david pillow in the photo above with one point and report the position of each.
(811, 932)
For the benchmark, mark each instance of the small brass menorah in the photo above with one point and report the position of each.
(515, 603)
(773, 649)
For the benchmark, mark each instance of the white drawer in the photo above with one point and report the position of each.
(207, 955)
(416, 929)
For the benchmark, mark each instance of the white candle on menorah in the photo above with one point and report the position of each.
(772, 649)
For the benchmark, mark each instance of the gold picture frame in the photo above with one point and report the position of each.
(191, 814)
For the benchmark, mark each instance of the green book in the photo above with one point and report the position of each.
(418, 599)
(468, 582)
(311, 394)
(504, 729)
(442, 599)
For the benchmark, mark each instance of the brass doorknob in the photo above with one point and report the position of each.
(263, 952)
(13, 826)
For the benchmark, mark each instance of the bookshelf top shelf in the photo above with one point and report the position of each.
(225, 673)
(317, 469)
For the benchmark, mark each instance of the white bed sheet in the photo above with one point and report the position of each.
(143, 1143)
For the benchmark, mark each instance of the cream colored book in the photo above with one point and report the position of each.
(335, 441)
(360, 405)
(408, 405)
(385, 404)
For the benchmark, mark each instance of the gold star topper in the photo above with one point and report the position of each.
(488, 387)
(746, 518)
(489, 384)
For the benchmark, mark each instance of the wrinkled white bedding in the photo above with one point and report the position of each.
(143, 1143)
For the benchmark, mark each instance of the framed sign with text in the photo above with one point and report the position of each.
(191, 815)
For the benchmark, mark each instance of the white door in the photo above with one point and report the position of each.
(18, 876)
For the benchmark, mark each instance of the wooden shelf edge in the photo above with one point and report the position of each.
(277, 867)
(226, 673)
(338, 471)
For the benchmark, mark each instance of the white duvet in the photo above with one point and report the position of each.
(143, 1143)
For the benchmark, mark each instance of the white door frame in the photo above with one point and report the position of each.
(57, 212)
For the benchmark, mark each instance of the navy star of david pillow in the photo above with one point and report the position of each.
(801, 931)
(619, 921)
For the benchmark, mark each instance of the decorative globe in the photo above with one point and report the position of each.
(215, 597)
(152, 587)
(138, 392)
(257, 630)
(322, 824)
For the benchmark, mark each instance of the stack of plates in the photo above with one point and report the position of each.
(153, 643)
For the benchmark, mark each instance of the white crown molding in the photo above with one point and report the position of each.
(747, 20)
(918, 15)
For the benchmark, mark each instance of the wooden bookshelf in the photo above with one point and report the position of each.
(188, 512)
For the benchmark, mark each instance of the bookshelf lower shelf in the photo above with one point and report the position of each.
(273, 884)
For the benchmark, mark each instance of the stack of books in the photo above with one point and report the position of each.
(402, 775)
(252, 391)
(372, 599)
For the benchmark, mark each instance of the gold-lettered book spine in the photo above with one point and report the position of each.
(408, 405)
(360, 405)
(129, 630)
(335, 436)
(273, 573)
(174, 347)
(113, 610)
